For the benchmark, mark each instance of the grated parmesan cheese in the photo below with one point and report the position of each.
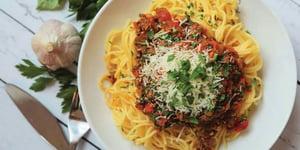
(156, 69)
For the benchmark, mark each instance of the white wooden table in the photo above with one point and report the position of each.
(19, 20)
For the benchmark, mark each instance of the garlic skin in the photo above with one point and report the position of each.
(56, 44)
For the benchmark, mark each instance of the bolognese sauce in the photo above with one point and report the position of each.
(187, 78)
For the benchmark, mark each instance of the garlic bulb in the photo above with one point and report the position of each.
(56, 44)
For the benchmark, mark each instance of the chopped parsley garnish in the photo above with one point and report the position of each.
(150, 34)
(198, 72)
(171, 57)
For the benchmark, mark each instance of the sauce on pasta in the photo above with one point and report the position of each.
(186, 78)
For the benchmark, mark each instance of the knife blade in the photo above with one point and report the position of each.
(38, 116)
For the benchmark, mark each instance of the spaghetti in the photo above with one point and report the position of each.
(183, 76)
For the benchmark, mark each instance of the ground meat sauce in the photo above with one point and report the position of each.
(223, 59)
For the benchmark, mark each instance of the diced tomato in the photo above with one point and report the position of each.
(241, 125)
(238, 104)
(248, 87)
(243, 81)
(152, 22)
(224, 82)
(135, 73)
(163, 14)
(229, 91)
(149, 108)
(140, 107)
(211, 54)
(142, 15)
(162, 121)
(204, 30)
(135, 25)
(203, 46)
(215, 45)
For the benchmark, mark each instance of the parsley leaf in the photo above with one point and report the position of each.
(185, 64)
(40, 83)
(244, 116)
(45, 76)
(84, 29)
(171, 57)
(173, 75)
(29, 70)
(150, 34)
(201, 59)
(254, 82)
(63, 76)
(66, 93)
(184, 87)
(50, 4)
(198, 72)
(194, 120)
(85, 9)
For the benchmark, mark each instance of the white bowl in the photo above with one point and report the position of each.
(278, 74)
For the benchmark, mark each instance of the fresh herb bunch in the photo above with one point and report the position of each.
(44, 77)
(85, 10)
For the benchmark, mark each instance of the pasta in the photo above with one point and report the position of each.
(219, 19)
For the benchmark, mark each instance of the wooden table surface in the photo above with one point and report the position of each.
(20, 20)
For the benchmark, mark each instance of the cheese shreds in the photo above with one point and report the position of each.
(155, 74)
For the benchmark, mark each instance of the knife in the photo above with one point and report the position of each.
(38, 116)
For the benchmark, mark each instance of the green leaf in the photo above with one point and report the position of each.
(74, 5)
(200, 30)
(64, 76)
(177, 102)
(40, 83)
(201, 59)
(198, 72)
(247, 31)
(222, 97)
(86, 9)
(215, 57)
(100, 3)
(254, 82)
(172, 75)
(184, 77)
(87, 12)
(171, 57)
(184, 89)
(50, 4)
(185, 64)
(226, 73)
(244, 116)
(84, 28)
(150, 34)
(194, 120)
(190, 99)
(66, 93)
(29, 70)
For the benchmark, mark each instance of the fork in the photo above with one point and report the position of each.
(77, 123)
